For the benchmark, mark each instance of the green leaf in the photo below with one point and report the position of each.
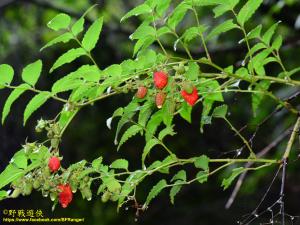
(155, 120)
(220, 111)
(129, 133)
(186, 112)
(162, 6)
(14, 95)
(235, 172)
(277, 43)
(202, 176)
(192, 32)
(120, 164)
(222, 28)
(68, 57)
(178, 15)
(202, 162)
(258, 97)
(20, 159)
(255, 33)
(248, 10)
(174, 191)
(145, 113)
(193, 71)
(36, 102)
(181, 175)
(156, 190)
(66, 84)
(91, 37)
(78, 26)
(97, 163)
(139, 10)
(269, 34)
(32, 72)
(205, 118)
(118, 112)
(60, 21)
(210, 89)
(6, 74)
(166, 131)
(3, 195)
(10, 174)
(64, 38)
(149, 145)
(113, 185)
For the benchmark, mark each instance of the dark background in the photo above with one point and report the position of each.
(23, 32)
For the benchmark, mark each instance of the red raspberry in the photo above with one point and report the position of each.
(160, 99)
(160, 79)
(141, 92)
(65, 196)
(54, 164)
(191, 98)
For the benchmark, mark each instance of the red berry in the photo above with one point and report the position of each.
(160, 99)
(160, 79)
(54, 164)
(141, 92)
(65, 196)
(191, 98)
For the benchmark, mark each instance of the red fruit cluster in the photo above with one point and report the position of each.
(65, 196)
(141, 92)
(160, 79)
(54, 164)
(191, 98)
(160, 99)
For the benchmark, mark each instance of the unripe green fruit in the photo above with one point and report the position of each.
(36, 184)
(54, 142)
(74, 185)
(46, 185)
(53, 196)
(87, 193)
(15, 193)
(27, 189)
(106, 196)
(188, 87)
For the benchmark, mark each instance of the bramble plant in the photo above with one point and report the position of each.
(163, 85)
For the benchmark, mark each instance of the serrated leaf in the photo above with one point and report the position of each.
(91, 37)
(78, 26)
(193, 71)
(129, 133)
(269, 34)
(36, 102)
(68, 57)
(220, 111)
(166, 131)
(10, 174)
(277, 43)
(60, 21)
(162, 6)
(254, 33)
(193, 32)
(248, 10)
(97, 163)
(202, 176)
(6, 74)
(174, 190)
(202, 162)
(139, 10)
(149, 145)
(118, 112)
(155, 191)
(66, 84)
(178, 15)
(235, 172)
(32, 72)
(14, 95)
(145, 113)
(186, 112)
(120, 164)
(258, 97)
(128, 112)
(20, 159)
(64, 38)
(152, 125)
(180, 175)
(222, 28)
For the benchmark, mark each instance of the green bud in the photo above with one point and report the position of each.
(56, 128)
(53, 196)
(46, 185)
(27, 189)
(16, 193)
(50, 134)
(36, 184)
(54, 142)
(74, 185)
(87, 193)
(188, 87)
(106, 196)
